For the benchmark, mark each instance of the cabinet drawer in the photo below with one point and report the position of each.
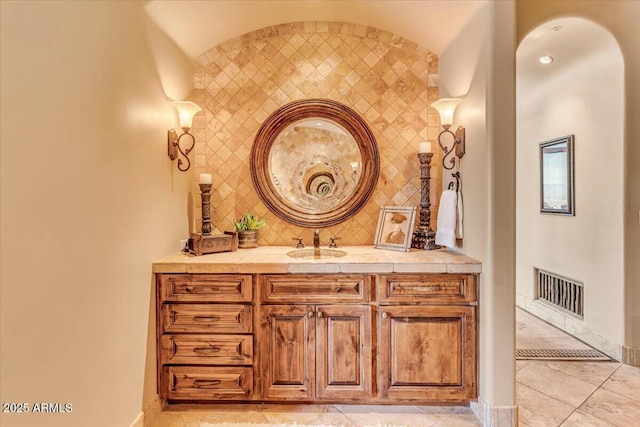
(220, 318)
(437, 288)
(205, 288)
(205, 383)
(207, 349)
(314, 288)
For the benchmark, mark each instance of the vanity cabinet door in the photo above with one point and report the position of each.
(343, 352)
(427, 353)
(287, 351)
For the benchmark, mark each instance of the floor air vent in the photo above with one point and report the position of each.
(561, 292)
(561, 355)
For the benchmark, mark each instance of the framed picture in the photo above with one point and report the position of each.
(556, 176)
(395, 228)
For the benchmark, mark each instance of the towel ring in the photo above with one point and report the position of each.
(458, 181)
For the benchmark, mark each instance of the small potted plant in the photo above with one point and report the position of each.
(247, 228)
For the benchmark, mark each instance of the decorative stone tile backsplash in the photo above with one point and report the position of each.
(388, 80)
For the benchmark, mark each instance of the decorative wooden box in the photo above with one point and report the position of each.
(202, 244)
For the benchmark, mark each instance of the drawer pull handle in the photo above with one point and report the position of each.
(206, 383)
(206, 350)
(426, 288)
(384, 315)
(319, 314)
(206, 318)
(191, 289)
(310, 314)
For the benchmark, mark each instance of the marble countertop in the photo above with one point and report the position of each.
(359, 259)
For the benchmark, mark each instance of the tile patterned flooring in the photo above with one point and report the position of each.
(548, 393)
(571, 394)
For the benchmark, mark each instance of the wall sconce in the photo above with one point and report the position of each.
(186, 111)
(446, 107)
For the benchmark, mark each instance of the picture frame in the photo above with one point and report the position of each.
(395, 228)
(557, 176)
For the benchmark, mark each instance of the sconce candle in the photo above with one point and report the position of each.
(205, 178)
(425, 147)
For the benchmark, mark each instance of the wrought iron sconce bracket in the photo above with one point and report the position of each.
(456, 150)
(174, 148)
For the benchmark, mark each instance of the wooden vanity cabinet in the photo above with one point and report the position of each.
(205, 337)
(427, 337)
(366, 338)
(315, 351)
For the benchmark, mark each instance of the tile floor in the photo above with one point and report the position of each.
(548, 393)
(571, 394)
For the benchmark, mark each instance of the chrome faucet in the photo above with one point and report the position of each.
(316, 239)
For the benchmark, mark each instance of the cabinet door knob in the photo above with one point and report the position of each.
(384, 315)
(319, 314)
(311, 314)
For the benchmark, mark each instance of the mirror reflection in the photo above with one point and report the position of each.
(314, 164)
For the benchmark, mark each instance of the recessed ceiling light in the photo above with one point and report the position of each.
(546, 59)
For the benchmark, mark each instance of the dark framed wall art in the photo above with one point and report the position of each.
(557, 176)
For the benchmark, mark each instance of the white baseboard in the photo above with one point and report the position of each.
(571, 325)
(139, 421)
(495, 416)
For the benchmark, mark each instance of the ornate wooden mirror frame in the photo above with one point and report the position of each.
(305, 109)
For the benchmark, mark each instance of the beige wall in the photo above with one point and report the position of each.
(388, 80)
(586, 100)
(89, 199)
(479, 66)
(620, 18)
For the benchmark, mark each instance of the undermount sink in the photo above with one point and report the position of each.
(316, 253)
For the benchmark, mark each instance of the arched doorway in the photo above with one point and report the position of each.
(579, 92)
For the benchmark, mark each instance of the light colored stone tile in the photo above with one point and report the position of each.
(554, 383)
(374, 415)
(242, 91)
(228, 413)
(378, 409)
(301, 414)
(521, 364)
(533, 333)
(408, 420)
(539, 410)
(445, 410)
(613, 408)
(333, 419)
(591, 372)
(456, 420)
(168, 419)
(625, 381)
(581, 419)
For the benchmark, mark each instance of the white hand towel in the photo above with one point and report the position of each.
(446, 232)
(460, 216)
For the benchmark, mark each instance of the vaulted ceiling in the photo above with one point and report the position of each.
(196, 26)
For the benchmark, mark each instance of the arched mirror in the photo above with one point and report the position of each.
(314, 162)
